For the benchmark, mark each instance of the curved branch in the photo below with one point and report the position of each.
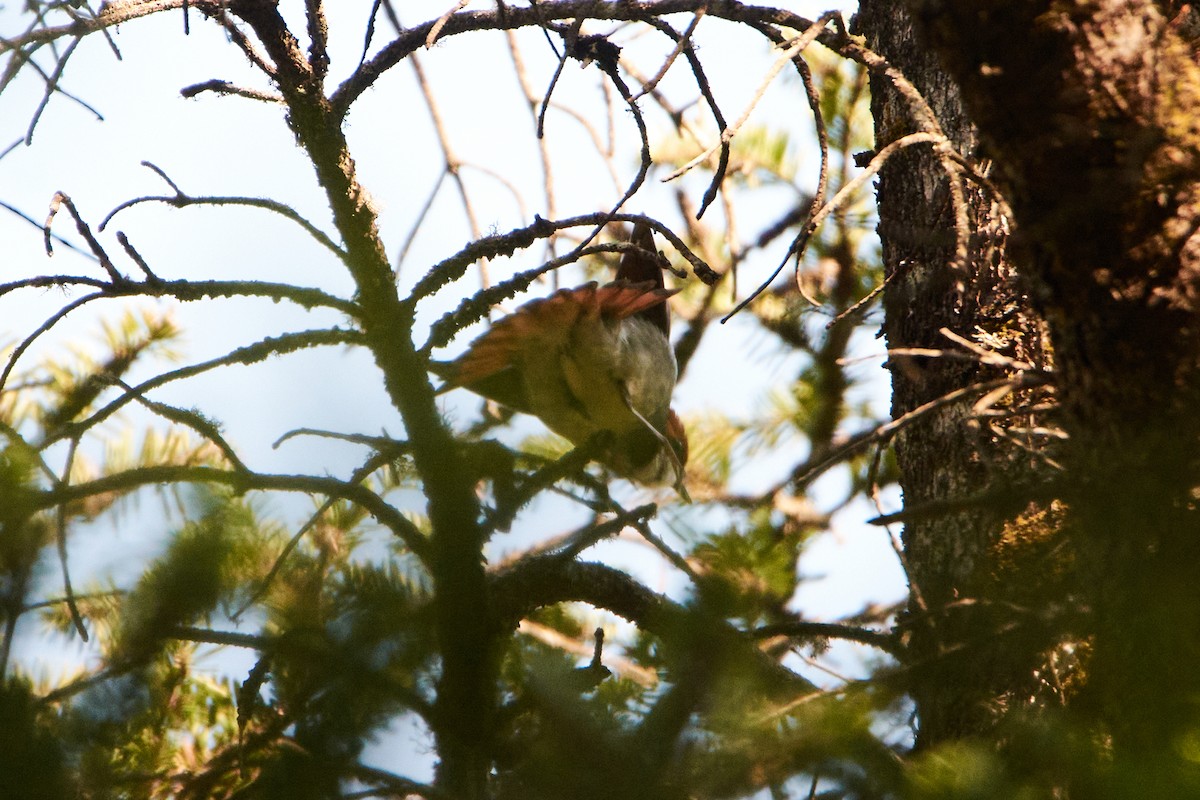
(192, 419)
(805, 473)
(373, 463)
(181, 290)
(182, 200)
(109, 15)
(188, 291)
(795, 47)
(218, 86)
(683, 43)
(45, 326)
(800, 629)
(511, 18)
(846, 192)
(645, 161)
(241, 481)
(547, 580)
(53, 281)
(250, 354)
(505, 244)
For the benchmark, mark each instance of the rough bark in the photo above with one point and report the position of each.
(964, 674)
(1092, 112)
(465, 707)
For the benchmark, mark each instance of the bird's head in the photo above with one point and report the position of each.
(652, 457)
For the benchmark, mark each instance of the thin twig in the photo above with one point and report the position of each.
(441, 22)
(645, 160)
(681, 41)
(61, 199)
(64, 242)
(372, 464)
(507, 507)
(807, 472)
(161, 474)
(137, 257)
(21, 59)
(369, 34)
(531, 104)
(798, 44)
(61, 542)
(867, 298)
(182, 200)
(679, 562)
(249, 354)
(54, 319)
(684, 44)
(453, 163)
(419, 220)
(248, 48)
(209, 430)
(378, 442)
(218, 86)
(843, 194)
(51, 88)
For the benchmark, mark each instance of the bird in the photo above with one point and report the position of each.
(595, 364)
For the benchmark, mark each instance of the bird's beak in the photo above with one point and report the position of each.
(677, 447)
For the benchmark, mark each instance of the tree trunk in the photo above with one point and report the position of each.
(971, 655)
(1094, 120)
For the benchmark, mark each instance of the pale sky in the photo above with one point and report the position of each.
(233, 146)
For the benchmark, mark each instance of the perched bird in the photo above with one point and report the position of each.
(594, 360)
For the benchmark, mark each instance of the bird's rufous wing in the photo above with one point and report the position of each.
(547, 323)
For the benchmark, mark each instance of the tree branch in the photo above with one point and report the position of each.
(241, 481)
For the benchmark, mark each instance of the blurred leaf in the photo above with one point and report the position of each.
(76, 386)
(199, 568)
(749, 572)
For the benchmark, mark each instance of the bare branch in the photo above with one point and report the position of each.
(830, 630)
(795, 47)
(683, 44)
(182, 200)
(805, 473)
(61, 199)
(845, 193)
(681, 41)
(132, 252)
(372, 464)
(218, 86)
(454, 267)
(259, 351)
(54, 319)
(131, 479)
(51, 88)
(61, 543)
(432, 36)
(547, 580)
(453, 164)
(208, 429)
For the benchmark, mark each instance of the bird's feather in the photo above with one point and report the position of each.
(547, 323)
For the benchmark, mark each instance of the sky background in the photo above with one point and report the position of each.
(233, 146)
